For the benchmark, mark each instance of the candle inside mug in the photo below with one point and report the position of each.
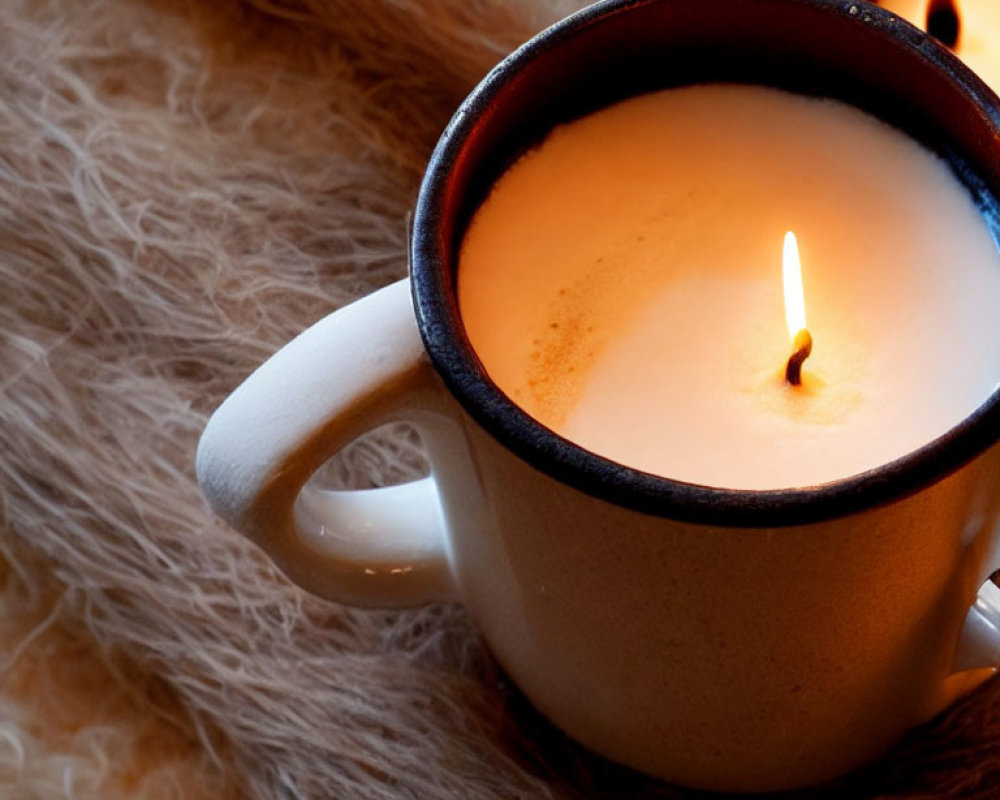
(622, 284)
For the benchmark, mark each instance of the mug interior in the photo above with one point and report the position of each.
(853, 52)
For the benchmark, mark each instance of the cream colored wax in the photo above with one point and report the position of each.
(622, 284)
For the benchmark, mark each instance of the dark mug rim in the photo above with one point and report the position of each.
(437, 227)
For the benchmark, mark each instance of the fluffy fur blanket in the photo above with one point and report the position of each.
(183, 187)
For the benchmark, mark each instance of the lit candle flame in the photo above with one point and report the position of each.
(795, 311)
(795, 304)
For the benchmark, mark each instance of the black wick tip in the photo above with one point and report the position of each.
(803, 345)
(943, 22)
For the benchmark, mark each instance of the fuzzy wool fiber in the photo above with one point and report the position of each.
(183, 187)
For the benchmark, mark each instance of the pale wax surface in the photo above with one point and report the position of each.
(622, 284)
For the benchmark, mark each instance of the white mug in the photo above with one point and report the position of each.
(738, 641)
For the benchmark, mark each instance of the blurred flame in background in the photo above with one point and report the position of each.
(969, 27)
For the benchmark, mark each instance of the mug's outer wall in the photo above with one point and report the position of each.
(723, 658)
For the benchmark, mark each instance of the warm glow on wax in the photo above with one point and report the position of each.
(795, 304)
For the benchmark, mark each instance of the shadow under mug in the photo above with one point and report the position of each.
(731, 640)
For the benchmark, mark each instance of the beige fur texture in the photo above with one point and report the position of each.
(183, 187)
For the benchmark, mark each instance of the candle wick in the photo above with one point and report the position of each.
(803, 345)
(944, 22)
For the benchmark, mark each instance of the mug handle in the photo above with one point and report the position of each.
(360, 367)
(979, 641)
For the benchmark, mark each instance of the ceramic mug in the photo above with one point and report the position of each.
(732, 640)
